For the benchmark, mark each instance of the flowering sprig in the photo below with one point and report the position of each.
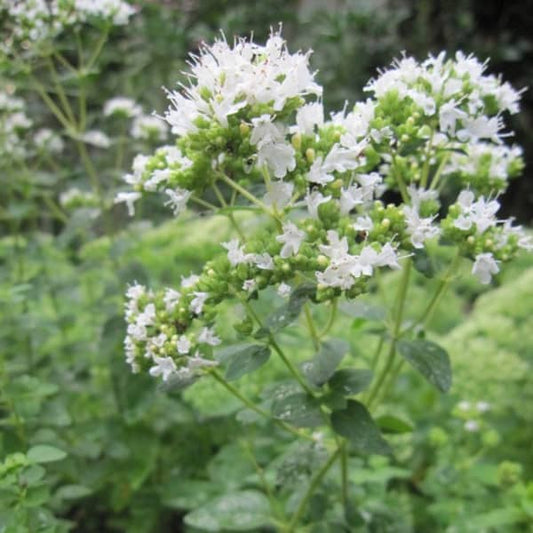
(336, 201)
(243, 124)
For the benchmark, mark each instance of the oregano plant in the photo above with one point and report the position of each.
(322, 208)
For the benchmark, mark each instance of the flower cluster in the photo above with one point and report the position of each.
(14, 125)
(250, 130)
(38, 20)
(472, 414)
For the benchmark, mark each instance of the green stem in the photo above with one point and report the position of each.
(344, 472)
(401, 183)
(52, 105)
(250, 405)
(67, 109)
(425, 169)
(443, 285)
(315, 482)
(311, 326)
(399, 308)
(292, 369)
(331, 320)
(203, 203)
(377, 353)
(436, 177)
(243, 192)
(247, 446)
(229, 214)
(98, 49)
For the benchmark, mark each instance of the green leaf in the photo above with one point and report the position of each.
(298, 409)
(289, 312)
(356, 424)
(319, 369)
(350, 381)
(363, 310)
(72, 492)
(187, 493)
(431, 360)
(497, 518)
(423, 263)
(43, 453)
(393, 424)
(246, 510)
(242, 359)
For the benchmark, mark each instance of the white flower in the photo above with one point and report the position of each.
(279, 194)
(46, 139)
(449, 114)
(313, 200)
(308, 117)
(481, 213)
(197, 362)
(164, 367)
(291, 238)
(189, 281)
(464, 405)
(363, 223)
(387, 257)
(370, 183)
(265, 131)
(121, 105)
(284, 290)
(485, 266)
(236, 254)
(129, 198)
(481, 128)
(350, 197)
(342, 159)
(471, 426)
(483, 407)
(171, 299)
(419, 229)
(137, 332)
(197, 303)
(148, 127)
(178, 199)
(317, 174)
(278, 157)
(183, 345)
(208, 336)
(147, 317)
(263, 261)
(249, 285)
(96, 138)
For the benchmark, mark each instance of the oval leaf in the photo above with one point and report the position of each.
(393, 424)
(356, 424)
(246, 510)
(298, 409)
(431, 360)
(319, 369)
(350, 381)
(242, 359)
(43, 453)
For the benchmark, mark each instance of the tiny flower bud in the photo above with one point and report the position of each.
(310, 155)
(296, 141)
(322, 260)
(244, 128)
(385, 223)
